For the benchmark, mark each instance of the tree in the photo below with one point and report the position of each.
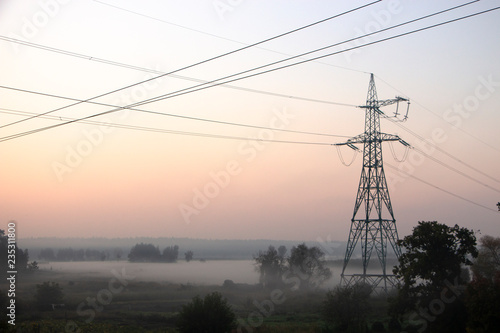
(487, 263)
(347, 307)
(188, 256)
(309, 265)
(212, 314)
(144, 253)
(170, 253)
(48, 293)
(271, 267)
(47, 254)
(282, 251)
(434, 254)
(483, 293)
(431, 265)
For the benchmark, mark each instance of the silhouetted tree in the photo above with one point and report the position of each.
(271, 267)
(188, 256)
(145, 253)
(487, 263)
(308, 263)
(482, 298)
(432, 261)
(170, 253)
(282, 251)
(212, 314)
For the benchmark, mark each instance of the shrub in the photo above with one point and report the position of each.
(211, 314)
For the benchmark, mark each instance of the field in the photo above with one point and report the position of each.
(121, 302)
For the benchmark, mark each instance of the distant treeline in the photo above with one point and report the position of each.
(70, 254)
(149, 253)
(209, 249)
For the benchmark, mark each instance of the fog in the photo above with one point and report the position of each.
(194, 272)
(211, 272)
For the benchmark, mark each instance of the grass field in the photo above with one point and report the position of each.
(106, 304)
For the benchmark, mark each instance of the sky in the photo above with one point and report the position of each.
(163, 172)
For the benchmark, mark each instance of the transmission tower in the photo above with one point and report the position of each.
(373, 224)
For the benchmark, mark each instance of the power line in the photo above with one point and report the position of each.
(463, 174)
(161, 113)
(224, 54)
(209, 82)
(215, 83)
(176, 132)
(157, 72)
(183, 91)
(149, 129)
(442, 119)
(442, 151)
(214, 35)
(440, 188)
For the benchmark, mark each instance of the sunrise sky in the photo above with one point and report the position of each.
(96, 180)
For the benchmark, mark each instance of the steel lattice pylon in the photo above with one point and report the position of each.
(373, 223)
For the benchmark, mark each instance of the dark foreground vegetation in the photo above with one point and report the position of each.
(437, 293)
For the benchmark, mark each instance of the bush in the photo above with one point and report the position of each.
(47, 294)
(347, 307)
(209, 315)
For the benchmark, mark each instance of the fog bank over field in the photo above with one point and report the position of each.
(194, 272)
(209, 249)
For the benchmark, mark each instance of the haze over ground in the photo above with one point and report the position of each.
(88, 179)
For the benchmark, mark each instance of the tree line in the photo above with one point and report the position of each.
(146, 252)
(70, 254)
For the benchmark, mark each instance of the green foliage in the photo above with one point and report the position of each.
(348, 307)
(434, 253)
(209, 315)
(431, 274)
(48, 293)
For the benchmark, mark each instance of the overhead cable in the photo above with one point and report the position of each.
(224, 54)
(182, 92)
